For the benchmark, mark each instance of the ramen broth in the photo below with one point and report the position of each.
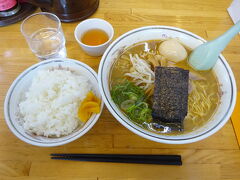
(202, 100)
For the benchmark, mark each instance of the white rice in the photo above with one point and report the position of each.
(52, 101)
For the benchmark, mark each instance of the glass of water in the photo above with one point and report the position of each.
(44, 35)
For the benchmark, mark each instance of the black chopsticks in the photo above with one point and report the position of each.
(122, 158)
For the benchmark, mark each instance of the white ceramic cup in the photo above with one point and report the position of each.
(89, 24)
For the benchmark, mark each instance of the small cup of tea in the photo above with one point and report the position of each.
(94, 36)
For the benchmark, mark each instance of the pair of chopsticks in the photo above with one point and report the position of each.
(122, 158)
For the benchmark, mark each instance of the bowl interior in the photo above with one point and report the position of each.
(222, 70)
(17, 91)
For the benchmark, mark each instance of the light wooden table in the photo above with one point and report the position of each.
(217, 157)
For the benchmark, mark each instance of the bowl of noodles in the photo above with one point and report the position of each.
(148, 86)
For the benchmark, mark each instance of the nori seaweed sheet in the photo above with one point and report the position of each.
(170, 98)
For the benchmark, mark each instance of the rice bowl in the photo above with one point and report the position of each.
(16, 95)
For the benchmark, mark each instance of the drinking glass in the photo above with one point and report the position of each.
(44, 35)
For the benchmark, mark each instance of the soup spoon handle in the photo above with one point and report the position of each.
(205, 56)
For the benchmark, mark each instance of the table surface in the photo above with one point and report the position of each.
(217, 157)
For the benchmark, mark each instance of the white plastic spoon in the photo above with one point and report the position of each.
(205, 56)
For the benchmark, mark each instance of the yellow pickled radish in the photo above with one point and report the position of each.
(90, 104)
(91, 97)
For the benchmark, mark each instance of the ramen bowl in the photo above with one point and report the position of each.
(222, 70)
(21, 84)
